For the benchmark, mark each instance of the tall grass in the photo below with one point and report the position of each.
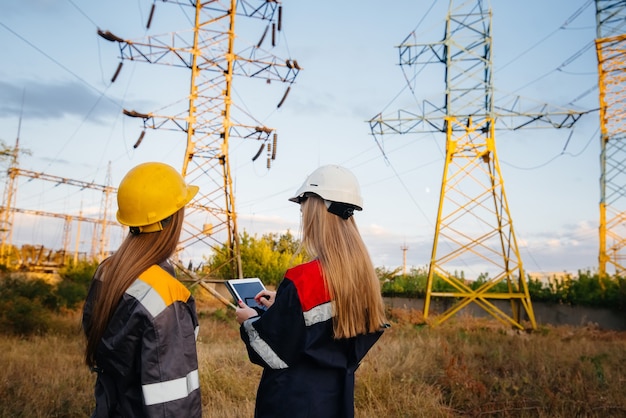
(464, 368)
(44, 376)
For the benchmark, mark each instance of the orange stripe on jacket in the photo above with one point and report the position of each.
(170, 289)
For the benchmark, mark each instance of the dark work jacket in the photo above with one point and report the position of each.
(306, 372)
(146, 361)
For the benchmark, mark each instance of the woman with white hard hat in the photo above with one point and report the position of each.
(325, 315)
(140, 322)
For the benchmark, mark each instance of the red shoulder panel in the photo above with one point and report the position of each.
(309, 283)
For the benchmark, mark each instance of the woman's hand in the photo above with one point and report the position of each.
(265, 298)
(243, 312)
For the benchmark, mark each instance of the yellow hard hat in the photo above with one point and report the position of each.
(149, 193)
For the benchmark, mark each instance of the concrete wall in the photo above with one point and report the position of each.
(545, 314)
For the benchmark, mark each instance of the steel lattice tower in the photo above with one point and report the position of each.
(8, 203)
(474, 224)
(214, 59)
(611, 52)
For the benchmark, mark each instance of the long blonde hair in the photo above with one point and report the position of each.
(347, 267)
(136, 254)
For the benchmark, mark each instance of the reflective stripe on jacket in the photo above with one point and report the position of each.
(147, 360)
(307, 373)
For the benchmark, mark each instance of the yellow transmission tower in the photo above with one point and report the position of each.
(611, 52)
(98, 253)
(9, 197)
(101, 224)
(8, 208)
(211, 52)
(474, 225)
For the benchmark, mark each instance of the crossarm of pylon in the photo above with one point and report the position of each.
(270, 68)
(416, 53)
(263, 11)
(542, 116)
(157, 50)
(179, 123)
(59, 180)
(61, 216)
(152, 121)
(404, 121)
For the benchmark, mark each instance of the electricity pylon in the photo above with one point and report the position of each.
(611, 52)
(210, 52)
(97, 254)
(474, 224)
(8, 208)
(6, 226)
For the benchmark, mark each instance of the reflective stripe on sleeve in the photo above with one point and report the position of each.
(320, 313)
(265, 351)
(155, 393)
(147, 296)
(156, 289)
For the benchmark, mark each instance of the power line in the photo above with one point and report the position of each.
(562, 153)
(79, 78)
(81, 12)
(542, 40)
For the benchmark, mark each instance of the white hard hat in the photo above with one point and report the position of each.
(332, 183)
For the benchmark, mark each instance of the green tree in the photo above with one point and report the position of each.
(412, 284)
(25, 305)
(75, 281)
(266, 257)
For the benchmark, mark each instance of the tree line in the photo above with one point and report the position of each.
(27, 305)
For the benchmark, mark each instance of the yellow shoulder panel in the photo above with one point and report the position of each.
(170, 289)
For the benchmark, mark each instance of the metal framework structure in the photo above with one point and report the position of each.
(611, 52)
(8, 209)
(98, 250)
(10, 192)
(474, 224)
(211, 121)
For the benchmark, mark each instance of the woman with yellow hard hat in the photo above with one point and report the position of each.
(140, 322)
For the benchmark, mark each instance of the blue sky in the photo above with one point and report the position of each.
(55, 71)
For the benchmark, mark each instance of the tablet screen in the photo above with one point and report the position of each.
(246, 290)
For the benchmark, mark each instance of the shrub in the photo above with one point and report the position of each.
(75, 281)
(23, 316)
(27, 305)
(32, 289)
(586, 289)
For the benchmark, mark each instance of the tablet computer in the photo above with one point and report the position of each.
(245, 290)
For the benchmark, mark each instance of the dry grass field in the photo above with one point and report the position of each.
(463, 368)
